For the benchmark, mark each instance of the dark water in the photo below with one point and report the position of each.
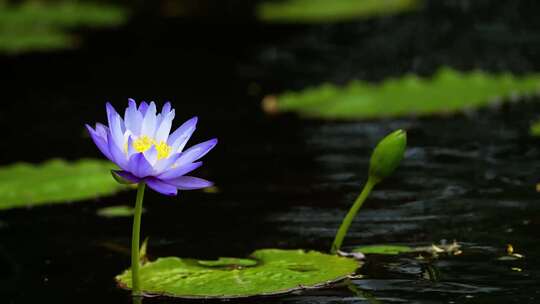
(285, 182)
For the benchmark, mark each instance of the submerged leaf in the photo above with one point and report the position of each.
(383, 249)
(315, 11)
(55, 181)
(448, 91)
(116, 211)
(268, 272)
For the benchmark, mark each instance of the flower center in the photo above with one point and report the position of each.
(144, 143)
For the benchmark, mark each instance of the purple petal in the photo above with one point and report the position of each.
(101, 130)
(131, 149)
(117, 156)
(143, 107)
(151, 154)
(194, 153)
(100, 142)
(166, 108)
(115, 126)
(133, 118)
(127, 176)
(179, 171)
(189, 183)
(161, 187)
(179, 138)
(149, 121)
(166, 163)
(111, 113)
(164, 127)
(139, 166)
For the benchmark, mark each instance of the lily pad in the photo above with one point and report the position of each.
(275, 271)
(383, 249)
(42, 25)
(448, 91)
(315, 11)
(55, 181)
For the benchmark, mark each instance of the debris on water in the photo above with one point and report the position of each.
(511, 255)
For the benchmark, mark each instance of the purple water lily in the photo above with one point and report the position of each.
(140, 144)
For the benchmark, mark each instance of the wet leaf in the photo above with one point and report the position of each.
(55, 181)
(383, 249)
(275, 271)
(316, 11)
(448, 91)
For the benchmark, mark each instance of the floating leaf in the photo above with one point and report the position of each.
(383, 249)
(275, 271)
(42, 25)
(315, 11)
(55, 181)
(453, 248)
(116, 211)
(448, 91)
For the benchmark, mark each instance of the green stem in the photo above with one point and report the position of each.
(135, 237)
(336, 245)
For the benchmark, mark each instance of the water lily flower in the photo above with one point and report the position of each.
(140, 144)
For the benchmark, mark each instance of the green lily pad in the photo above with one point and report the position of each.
(228, 262)
(55, 181)
(315, 11)
(275, 271)
(116, 211)
(383, 249)
(448, 91)
(43, 25)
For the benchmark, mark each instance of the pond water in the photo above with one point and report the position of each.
(282, 181)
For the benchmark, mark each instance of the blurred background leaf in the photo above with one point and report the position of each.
(48, 25)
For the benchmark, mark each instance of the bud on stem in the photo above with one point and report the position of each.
(385, 158)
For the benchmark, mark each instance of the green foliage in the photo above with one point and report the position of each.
(276, 271)
(383, 249)
(44, 25)
(315, 11)
(55, 181)
(448, 91)
(116, 211)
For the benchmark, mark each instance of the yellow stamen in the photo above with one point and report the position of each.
(163, 150)
(144, 143)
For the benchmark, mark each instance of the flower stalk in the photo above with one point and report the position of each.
(135, 239)
(338, 240)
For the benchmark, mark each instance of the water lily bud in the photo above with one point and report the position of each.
(387, 155)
